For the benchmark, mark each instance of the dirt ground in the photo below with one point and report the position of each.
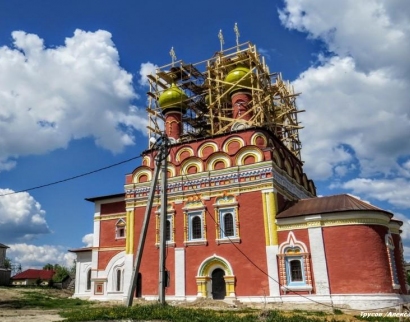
(10, 314)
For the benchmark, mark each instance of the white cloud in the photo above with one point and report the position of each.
(50, 96)
(21, 217)
(352, 115)
(88, 240)
(376, 33)
(406, 253)
(357, 99)
(145, 70)
(357, 119)
(395, 191)
(31, 256)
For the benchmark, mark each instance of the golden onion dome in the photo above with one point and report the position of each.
(174, 98)
(241, 75)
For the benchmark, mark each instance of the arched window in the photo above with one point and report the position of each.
(294, 265)
(228, 224)
(226, 212)
(120, 229)
(196, 225)
(169, 226)
(89, 280)
(118, 281)
(168, 230)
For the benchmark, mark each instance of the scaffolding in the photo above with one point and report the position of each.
(208, 107)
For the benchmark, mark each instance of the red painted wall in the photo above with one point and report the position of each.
(112, 208)
(108, 233)
(104, 257)
(357, 259)
(250, 281)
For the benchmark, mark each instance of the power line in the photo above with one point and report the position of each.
(72, 178)
(273, 279)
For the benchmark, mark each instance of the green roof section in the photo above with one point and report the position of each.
(173, 97)
(240, 76)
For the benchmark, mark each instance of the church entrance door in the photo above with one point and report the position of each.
(218, 284)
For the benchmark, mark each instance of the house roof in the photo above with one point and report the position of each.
(329, 204)
(34, 274)
(3, 246)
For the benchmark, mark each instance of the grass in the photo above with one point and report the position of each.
(44, 298)
(180, 314)
(81, 310)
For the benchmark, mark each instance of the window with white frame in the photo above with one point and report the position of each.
(294, 266)
(226, 213)
(120, 229)
(227, 223)
(169, 226)
(294, 269)
(168, 232)
(195, 225)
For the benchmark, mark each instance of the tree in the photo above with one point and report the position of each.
(48, 267)
(61, 272)
(73, 267)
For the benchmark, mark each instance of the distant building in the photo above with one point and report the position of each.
(5, 272)
(243, 220)
(40, 277)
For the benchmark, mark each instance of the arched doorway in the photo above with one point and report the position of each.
(218, 284)
(215, 278)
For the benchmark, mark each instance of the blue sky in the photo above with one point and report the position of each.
(72, 100)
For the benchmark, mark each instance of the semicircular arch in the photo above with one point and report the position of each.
(259, 139)
(247, 151)
(218, 157)
(233, 144)
(207, 149)
(210, 263)
(184, 153)
(191, 162)
(140, 173)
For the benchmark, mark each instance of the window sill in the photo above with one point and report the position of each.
(229, 240)
(288, 288)
(169, 244)
(195, 243)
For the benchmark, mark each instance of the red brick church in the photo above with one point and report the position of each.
(243, 220)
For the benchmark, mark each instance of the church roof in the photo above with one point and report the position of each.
(34, 274)
(80, 250)
(328, 204)
(3, 246)
(105, 197)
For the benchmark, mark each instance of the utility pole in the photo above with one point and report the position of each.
(163, 224)
(162, 143)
